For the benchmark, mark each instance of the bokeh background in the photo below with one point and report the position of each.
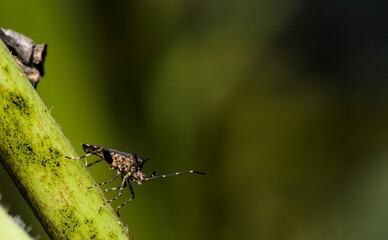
(284, 103)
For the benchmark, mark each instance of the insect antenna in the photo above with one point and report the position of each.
(153, 175)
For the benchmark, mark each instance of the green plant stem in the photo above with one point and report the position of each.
(32, 150)
(9, 229)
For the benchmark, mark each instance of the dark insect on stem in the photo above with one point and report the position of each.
(128, 166)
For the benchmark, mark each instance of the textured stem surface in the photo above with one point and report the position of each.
(32, 150)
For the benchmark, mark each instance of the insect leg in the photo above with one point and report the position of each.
(115, 188)
(132, 197)
(103, 183)
(76, 158)
(84, 156)
(90, 164)
(123, 184)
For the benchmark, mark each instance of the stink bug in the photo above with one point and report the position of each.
(129, 166)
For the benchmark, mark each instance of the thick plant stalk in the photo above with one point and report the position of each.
(32, 150)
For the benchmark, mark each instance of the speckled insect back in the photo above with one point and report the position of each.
(125, 163)
(129, 166)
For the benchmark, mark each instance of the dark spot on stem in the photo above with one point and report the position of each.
(54, 152)
(5, 68)
(19, 102)
(69, 221)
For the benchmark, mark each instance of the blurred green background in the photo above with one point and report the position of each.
(284, 103)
